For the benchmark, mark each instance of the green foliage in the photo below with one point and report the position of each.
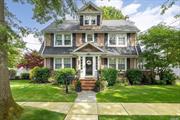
(167, 77)
(134, 76)
(98, 83)
(62, 74)
(40, 75)
(110, 75)
(161, 47)
(111, 13)
(25, 76)
(148, 78)
(12, 74)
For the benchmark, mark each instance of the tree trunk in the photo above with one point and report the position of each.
(9, 110)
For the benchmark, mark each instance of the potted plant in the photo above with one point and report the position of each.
(97, 86)
(78, 86)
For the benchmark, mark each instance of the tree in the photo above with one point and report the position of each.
(44, 10)
(167, 4)
(111, 13)
(161, 47)
(31, 60)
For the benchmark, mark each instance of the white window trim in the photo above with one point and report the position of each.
(89, 20)
(63, 40)
(117, 63)
(117, 40)
(92, 37)
(62, 62)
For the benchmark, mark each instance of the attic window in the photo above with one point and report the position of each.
(90, 20)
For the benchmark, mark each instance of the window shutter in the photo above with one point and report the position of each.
(74, 63)
(128, 39)
(98, 20)
(81, 20)
(83, 37)
(51, 63)
(74, 39)
(95, 37)
(128, 63)
(52, 39)
(105, 39)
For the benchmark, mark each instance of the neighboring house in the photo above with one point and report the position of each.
(91, 43)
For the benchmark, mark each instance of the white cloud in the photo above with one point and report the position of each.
(32, 42)
(152, 16)
(130, 9)
(115, 3)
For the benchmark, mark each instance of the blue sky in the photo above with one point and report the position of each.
(145, 13)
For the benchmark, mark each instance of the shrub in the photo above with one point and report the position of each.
(134, 76)
(17, 77)
(97, 86)
(62, 74)
(148, 77)
(12, 74)
(110, 75)
(78, 86)
(40, 75)
(167, 77)
(25, 76)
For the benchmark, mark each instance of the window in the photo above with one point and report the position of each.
(112, 63)
(121, 63)
(58, 63)
(62, 63)
(67, 62)
(121, 39)
(67, 39)
(58, 40)
(90, 20)
(117, 63)
(112, 39)
(63, 40)
(117, 40)
(89, 37)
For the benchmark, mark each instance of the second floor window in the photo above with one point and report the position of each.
(63, 40)
(117, 40)
(90, 20)
(89, 37)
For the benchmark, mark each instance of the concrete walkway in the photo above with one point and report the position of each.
(84, 108)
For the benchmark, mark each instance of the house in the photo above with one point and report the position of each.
(91, 43)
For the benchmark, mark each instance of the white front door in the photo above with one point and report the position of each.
(88, 66)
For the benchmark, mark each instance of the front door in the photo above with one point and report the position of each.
(89, 66)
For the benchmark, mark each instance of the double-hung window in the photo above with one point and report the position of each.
(89, 37)
(117, 40)
(112, 63)
(67, 62)
(121, 64)
(58, 63)
(62, 63)
(63, 40)
(90, 20)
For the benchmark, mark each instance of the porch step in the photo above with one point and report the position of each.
(87, 84)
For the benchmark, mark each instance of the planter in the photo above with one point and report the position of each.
(78, 89)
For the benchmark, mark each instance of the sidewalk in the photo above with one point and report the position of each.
(86, 108)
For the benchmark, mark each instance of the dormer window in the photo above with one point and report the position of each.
(90, 20)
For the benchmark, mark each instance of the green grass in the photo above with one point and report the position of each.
(143, 117)
(140, 94)
(30, 113)
(25, 91)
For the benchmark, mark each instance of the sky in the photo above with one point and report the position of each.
(144, 13)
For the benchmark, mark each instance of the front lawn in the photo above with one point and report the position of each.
(24, 91)
(30, 113)
(143, 117)
(140, 94)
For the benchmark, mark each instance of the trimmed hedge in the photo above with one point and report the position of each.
(40, 75)
(25, 76)
(110, 75)
(62, 74)
(167, 77)
(134, 76)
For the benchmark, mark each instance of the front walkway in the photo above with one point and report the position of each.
(86, 108)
